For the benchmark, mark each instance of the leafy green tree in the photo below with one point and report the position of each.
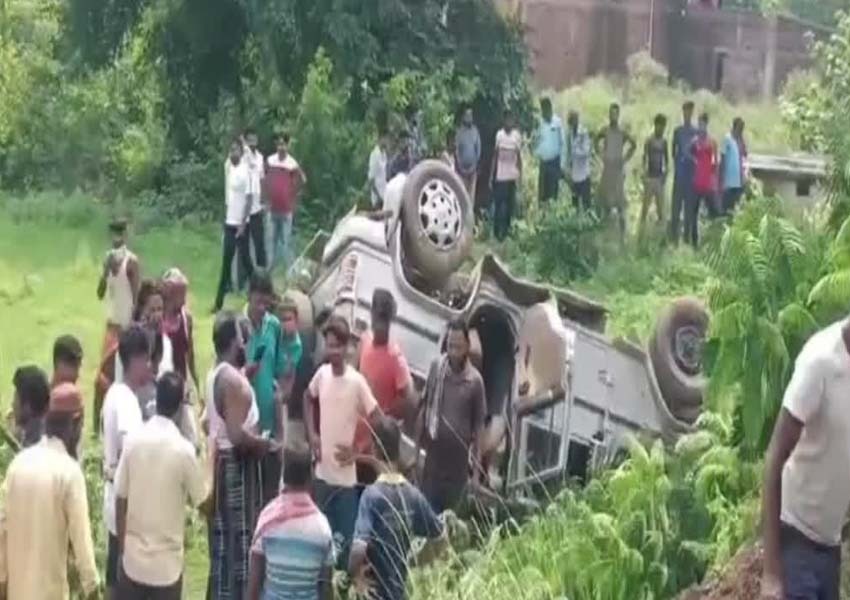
(773, 286)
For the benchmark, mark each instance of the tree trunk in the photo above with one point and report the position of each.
(770, 56)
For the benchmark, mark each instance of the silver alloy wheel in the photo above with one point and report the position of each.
(440, 214)
(687, 349)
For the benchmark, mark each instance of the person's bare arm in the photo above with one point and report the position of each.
(493, 160)
(358, 564)
(326, 583)
(101, 283)
(479, 416)
(121, 522)
(598, 140)
(630, 142)
(676, 148)
(246, 215)
(786, 434)
(190, 354)
(256, 575)
(310, 425)
(644, 165)
(134, 275)
(410, 403)
(519, 165)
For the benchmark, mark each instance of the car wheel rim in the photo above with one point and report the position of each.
(687, 349)
(440, 214)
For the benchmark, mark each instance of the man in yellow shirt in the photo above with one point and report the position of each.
(44, 509)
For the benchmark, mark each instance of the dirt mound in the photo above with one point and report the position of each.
(741, 580)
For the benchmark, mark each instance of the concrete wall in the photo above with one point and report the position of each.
(570, 40)
(785, 187)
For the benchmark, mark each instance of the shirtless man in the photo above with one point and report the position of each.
(236, 448)
(119, 284)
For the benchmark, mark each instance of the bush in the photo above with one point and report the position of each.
(562, 243)
(333, 148)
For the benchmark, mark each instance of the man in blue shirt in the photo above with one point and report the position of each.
(550, 151)
(732, 156)
(683, 177)
(391, 513)
(266, 369)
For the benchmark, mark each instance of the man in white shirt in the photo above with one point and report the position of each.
(150, 534)
(807, 481)
(122, 415)
(378, 171)
(505, 175)
(237, 186)
(579, 148)
(257, 170)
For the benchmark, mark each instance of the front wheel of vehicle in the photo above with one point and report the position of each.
(438, 220)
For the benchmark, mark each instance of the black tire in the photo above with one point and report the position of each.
(437, 221)
(675, 350)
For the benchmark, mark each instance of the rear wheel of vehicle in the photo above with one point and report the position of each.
(437, 221)
(676, 353)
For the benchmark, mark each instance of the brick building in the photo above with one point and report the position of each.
(741, 54)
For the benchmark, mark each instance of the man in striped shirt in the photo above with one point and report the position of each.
(292, 555)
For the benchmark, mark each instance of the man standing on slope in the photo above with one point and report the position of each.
(253, 158)
(238, 210)
(807, 482)
(467, 152)
(285, 179)
(617, 148)
(550, 151)
(683, 177)
(119, 284)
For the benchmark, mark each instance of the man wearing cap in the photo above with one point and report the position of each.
(118, 285)
(45, 510)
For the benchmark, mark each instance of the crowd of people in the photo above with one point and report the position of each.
(704, 174)
(293, 454)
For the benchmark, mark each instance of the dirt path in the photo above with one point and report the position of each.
(739, 581)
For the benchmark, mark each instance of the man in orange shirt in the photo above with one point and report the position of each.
(383, 365)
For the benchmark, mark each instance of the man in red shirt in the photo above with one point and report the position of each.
(704, 155)
(284, 178)
(383, 365)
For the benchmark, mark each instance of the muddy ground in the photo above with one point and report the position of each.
(739, 581)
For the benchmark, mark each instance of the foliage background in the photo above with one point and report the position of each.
(139, 98)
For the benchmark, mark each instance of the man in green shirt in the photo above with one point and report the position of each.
(266, 369)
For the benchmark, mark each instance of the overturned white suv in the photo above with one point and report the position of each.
(562, 397)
